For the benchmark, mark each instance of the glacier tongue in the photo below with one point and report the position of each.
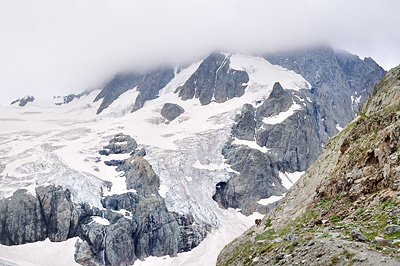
(191, 188)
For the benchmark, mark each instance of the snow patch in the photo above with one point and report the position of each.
(250, 144)
(163, 191)
(210, 166)
(288, 179)
(180, 79)
(269, 200)
(279, 118)
(43, 253)
(100, 220)
(355, 100)
(257, 67)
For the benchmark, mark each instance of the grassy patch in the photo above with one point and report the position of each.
(326, 235)
(335, 260)
(268, 224)
(335, 219)
(266, 235)
(348, 254)
(360, 211)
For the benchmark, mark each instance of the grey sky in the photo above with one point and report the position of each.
(53, 47)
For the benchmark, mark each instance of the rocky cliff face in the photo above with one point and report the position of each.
(214, 80)
(340, 81)
(349, 196)
(148, 85)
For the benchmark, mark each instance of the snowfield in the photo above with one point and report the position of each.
(42, 143)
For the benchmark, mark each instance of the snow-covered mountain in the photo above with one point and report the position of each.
(165, 154)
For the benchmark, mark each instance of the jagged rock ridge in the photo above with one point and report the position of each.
(350, 195)
(148, 85)
(339, 82)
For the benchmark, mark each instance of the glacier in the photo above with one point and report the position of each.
(43, 143)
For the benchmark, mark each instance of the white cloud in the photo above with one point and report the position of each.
(59, 47)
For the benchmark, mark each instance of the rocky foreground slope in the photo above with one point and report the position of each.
(345, 208)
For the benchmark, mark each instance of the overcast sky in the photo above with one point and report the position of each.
(54, 47)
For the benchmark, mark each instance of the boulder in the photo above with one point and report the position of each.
(171, 111)
(357, 236)
(383, 242)
(391, 229)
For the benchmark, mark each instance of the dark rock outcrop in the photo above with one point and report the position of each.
(294, 145)
(171, 111)
(214, 80)
(26, 218)
(245, 126)
(120, 143)
(151, 84)
(22, 102)
(121, 243)
(148, 85)
(70, 97)
(191, 233)
(140, 176)
(239, 192)
(117, 86)
(156, 231)
(61, 216)
(21, 219)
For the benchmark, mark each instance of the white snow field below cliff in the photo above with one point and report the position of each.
(42, 144)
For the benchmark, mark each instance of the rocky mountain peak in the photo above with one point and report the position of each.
(350, 195)
(214, 80)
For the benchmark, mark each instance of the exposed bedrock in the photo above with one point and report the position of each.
(340, 82)
(214, 80)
